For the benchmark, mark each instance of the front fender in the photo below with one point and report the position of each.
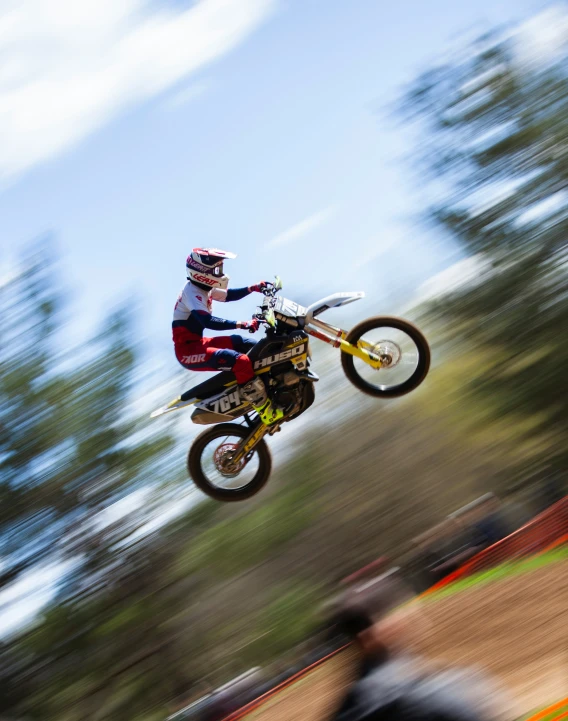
(332, 301)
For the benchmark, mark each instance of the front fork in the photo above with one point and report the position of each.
(247, 446)
(336, 337)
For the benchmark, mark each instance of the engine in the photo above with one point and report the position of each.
(288, 393)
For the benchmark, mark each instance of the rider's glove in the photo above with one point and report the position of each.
(259, 287)
(250, 325)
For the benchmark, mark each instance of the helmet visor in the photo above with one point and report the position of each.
(210, 260)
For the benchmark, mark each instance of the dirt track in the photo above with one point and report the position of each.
(515, 629)
(313, 698)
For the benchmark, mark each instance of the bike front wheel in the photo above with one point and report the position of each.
(403, 349)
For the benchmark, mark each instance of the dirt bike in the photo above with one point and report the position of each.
(384, 357)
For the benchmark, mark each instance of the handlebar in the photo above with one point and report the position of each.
(272, 288)
(269, 291)
(259, 317)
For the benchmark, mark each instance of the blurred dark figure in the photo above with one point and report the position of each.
(552, 489)
(422, 561)
(391, 682)
(438, 552)
(488, 525)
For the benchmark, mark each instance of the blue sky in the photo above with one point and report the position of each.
(265, 137)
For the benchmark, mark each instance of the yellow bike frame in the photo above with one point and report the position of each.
(336, 337)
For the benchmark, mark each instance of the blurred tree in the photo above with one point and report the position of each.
(494, 140)
(69, 447)
(29, 417)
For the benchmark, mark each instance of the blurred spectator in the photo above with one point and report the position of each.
(488, 525)
(552, 489)
(454, 549)
(438, 552)
(391, 682)
(422, 559)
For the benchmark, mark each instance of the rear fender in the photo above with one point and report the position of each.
(206, 418)
(174, 405)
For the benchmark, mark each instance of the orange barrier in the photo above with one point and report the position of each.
(563, 540)
(545, 532)
(253, 705)
(545, 713)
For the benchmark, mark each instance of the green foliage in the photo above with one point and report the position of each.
(289, 617)
(67, 448)
(201, 515)
(240, 542)
(495, 139)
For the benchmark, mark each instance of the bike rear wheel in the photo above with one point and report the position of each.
(404, 348)
(209, 464)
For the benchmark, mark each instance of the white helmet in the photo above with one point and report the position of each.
(205, 267)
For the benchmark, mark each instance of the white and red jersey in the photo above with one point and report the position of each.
(193, 298)
(192, 311)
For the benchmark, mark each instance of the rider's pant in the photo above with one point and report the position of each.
(222, 353)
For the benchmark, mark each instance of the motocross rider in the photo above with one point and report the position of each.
(206, 282)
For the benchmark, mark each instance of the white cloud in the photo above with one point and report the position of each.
(379, 247)
(185, 95)
(302, 228)
(464, 272)
(544, 37)
(69, 66)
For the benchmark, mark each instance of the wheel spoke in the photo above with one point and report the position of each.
(402, 350)
(217, 467)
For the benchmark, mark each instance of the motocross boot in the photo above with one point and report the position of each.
(255, 393)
